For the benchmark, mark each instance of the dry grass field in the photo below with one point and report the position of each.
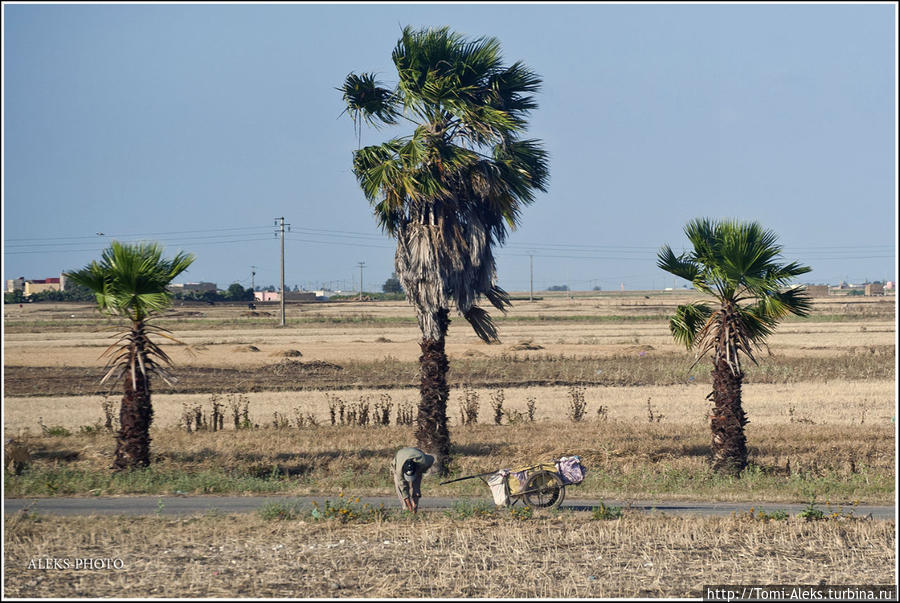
(42, 335)
(638, 460)
(564, 555)
(821, 403)
(822, 406)
(837, 402)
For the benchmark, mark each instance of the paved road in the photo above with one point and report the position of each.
(189, 505)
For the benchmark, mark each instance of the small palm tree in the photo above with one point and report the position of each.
(449, 191)
(737, 264)
(130, 282)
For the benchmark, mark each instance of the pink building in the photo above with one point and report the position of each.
(266, 296)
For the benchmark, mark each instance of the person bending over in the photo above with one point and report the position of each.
(408, 467)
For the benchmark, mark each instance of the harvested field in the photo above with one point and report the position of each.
(361, 343)
(550, 555)
(821, 404)
(74, 334)
(631, 366)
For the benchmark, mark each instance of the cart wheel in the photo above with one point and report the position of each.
(544, 489)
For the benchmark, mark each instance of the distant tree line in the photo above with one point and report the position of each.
(78, 293)
(234, 293)
(392, 285)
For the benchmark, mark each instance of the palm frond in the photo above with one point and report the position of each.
(498, 298)
(688, 321)
(367, 101)
(524, 166)
(679, 265)
(482, 324)
(758, 321)
(511, 88)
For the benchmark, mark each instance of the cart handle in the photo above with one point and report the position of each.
(459, 479)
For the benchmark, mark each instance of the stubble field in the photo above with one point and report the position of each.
(822, 406)
(548, 556)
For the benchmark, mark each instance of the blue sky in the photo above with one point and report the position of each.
(197, 125)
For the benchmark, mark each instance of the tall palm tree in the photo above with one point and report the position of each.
(738, 265)
(448, 191)
(130, 282)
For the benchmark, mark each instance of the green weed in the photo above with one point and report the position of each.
(605, 512)
(811, 513)
(464, 509)
(279, 511)
(53, 430)
(347, 509)
(764, 516)
(94, 429)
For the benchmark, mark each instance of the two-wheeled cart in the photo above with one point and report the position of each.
(542, 485)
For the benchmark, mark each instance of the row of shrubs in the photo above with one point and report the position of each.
(470, 406)
(366, 411)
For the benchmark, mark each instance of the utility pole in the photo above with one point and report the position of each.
(361, 266)
(530, 277)
(253, 278)
(280, 221)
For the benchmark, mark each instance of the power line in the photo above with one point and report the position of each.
(342, 243)
(317, 236)
(345, 234)
(213, 239)
(141, 234)
(167, 244)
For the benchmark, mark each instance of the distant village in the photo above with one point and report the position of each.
(202, 291)
(22, 289)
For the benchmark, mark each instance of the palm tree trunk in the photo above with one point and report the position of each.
(135, 416)
(729, 446)
(432, 434)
